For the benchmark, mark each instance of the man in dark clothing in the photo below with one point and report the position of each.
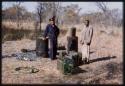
(51, 32)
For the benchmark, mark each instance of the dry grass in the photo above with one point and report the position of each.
(9, 34)
(24, 24)
(105, 67)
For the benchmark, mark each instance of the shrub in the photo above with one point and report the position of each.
(9, 34)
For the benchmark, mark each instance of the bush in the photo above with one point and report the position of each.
(9, 34)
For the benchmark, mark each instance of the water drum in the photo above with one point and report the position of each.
(42, 47)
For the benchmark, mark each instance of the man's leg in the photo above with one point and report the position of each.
(84, 51)
(55, 49)
(88, 53)
(51, 49)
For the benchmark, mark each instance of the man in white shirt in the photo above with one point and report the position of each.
(85, 41)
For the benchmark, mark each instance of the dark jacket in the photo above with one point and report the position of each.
(51, 32)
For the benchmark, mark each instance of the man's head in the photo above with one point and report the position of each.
(52, 21)
(86, 22)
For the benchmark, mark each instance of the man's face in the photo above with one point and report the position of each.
(86, 23)
(52, 22)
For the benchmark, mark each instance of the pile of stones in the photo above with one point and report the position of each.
(26, 55)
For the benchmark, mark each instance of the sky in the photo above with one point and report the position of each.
(87, 7)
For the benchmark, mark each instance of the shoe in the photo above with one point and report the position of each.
(83, 61)
(53, 58)
(87, 61)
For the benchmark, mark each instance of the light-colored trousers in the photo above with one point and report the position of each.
(85, 51)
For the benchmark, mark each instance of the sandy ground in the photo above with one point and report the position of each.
(105, 66)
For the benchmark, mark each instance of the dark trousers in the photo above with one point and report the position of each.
(53, 48)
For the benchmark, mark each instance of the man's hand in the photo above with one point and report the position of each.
(43, 38)
(40, 37)
(47, 37)
(81, 42)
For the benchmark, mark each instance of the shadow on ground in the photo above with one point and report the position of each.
(6, 56)
(102, 59)
(92, 52)
(78, 70)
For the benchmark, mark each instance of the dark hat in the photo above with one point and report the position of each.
(51, 19)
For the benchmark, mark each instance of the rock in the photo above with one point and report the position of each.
(29, 56)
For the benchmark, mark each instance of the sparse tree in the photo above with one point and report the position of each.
(110, 16)
(107, 18)
(50, 9)
(18, 17)
(102, 6)
(71, 14)
(56, 10)
(41, 13)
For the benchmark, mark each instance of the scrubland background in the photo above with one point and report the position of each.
(20, 29)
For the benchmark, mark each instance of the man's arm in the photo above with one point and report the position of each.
(58, 31)
(46, 32)
(90, 34)
(81, 38)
